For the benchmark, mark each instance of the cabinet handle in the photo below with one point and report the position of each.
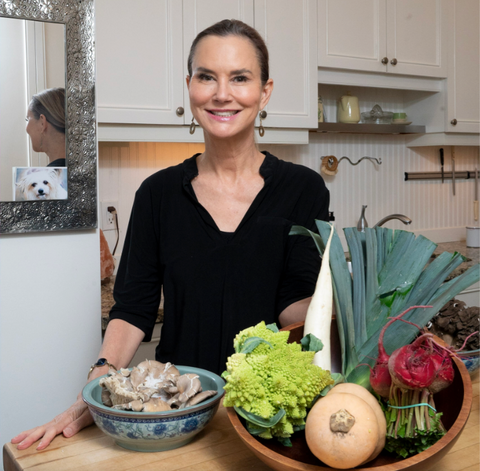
(262, 114)
(180, 111)
(393, 62)
(453, 121)
(385, 61)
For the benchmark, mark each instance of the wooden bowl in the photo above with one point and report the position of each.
(455, 403)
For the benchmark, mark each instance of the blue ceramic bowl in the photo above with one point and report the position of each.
(471, 359)
(155, 431)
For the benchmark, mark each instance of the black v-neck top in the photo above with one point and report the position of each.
(215, 283)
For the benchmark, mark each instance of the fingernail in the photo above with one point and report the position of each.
(39, 446)
(67, 432)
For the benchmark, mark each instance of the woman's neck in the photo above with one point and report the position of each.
(56, 147)
(230, 157)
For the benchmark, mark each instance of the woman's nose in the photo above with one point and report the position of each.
(222, 93)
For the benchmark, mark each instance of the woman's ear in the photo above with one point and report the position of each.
(43, 122)
(266, 93)
(187, 79)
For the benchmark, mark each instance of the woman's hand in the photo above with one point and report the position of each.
(69, 423)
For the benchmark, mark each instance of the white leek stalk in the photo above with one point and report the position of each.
(319, 313)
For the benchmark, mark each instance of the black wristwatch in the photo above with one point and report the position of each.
(100, 362)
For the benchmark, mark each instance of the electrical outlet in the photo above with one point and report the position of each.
(108, 217)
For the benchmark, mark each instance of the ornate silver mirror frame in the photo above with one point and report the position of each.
(79, 211)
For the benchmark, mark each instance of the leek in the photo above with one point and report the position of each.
(391, 271)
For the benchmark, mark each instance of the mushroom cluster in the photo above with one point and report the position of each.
(152, 386)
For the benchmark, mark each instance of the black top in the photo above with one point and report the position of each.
(215, 283)
(58, 163)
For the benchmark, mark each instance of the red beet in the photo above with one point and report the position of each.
(444, 368)
(412, 366)
(380, 378)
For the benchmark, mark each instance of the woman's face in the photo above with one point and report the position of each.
(34, 130)
(226, 92)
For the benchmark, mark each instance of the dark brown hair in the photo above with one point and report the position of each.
(235, 28)
(50, 103)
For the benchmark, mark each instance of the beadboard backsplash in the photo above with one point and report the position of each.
(434, 210)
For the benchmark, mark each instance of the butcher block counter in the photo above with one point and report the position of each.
(217, 448)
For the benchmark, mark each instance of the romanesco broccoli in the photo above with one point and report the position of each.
(267, 375)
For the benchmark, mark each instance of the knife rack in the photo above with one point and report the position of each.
(465, 174)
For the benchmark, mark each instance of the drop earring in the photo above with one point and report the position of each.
(261, 129)
(192, 126)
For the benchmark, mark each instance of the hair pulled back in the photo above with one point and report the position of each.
(50, 103)
(235, 28)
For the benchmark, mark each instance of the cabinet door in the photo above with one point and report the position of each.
(352, 34)
(200, 14)
(290, 32)
(415, 37)
(139, 61)
(463, 69)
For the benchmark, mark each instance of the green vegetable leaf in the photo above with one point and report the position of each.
(285, 441)
(252, 343)
(273, 327)
(337, 379)
(311, 343)
(260, 421)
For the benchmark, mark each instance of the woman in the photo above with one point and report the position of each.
(213, 231)
(46, 125)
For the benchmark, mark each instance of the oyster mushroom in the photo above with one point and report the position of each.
(152, 386)
(200, 397)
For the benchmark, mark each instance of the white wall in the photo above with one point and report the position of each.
(50, 324)
(435, 212)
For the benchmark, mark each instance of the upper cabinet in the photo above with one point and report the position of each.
(463, 90)
(142, 49)
(139, 61)
(390, 36)
(289, 28)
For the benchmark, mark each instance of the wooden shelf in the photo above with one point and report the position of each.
(362, 128)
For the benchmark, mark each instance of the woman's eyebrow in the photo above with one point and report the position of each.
(240, 71)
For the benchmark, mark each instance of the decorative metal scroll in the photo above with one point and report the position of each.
(79, 211)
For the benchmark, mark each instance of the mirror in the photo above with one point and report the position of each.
(79, 210)
(33, 53)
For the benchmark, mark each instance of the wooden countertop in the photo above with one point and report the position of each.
(216, 448)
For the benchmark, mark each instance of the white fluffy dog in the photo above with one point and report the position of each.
(40, 183)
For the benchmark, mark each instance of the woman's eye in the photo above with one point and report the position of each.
(205, 77)
(240, 78)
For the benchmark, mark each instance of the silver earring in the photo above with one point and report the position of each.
(192, 126)
(261, 129)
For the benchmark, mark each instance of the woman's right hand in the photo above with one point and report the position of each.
(69, 423)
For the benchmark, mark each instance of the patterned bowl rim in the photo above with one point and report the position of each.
(88, 390)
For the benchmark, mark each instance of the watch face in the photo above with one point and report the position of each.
(101, 362)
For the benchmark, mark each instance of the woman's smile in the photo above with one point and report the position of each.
(223, 115)
(225, 89)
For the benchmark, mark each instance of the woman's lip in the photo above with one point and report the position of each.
(223, 117)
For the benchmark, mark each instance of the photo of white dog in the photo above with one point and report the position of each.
(40, 183)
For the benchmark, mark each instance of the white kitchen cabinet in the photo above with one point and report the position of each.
(142, 52)
(139, 61)
(290, 31)
(391, 36)
(463, 84)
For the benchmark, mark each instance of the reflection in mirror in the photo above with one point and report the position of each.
(74, 22)
(32, 59)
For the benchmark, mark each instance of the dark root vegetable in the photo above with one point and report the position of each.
(380, 378)
(412, 366)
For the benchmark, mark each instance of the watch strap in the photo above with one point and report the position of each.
(100, 362)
